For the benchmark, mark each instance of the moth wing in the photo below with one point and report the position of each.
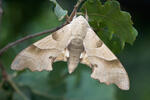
(40, 55)
(57, 40)
(106, 67)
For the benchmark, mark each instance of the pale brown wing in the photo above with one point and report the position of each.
(106, 67)
(57, 40)
(43, 53)
(35, 59)
(95, 47)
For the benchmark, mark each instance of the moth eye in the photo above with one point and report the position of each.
(99, 44)
(95, 65)
(55, 36)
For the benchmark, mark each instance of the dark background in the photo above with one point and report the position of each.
(23, 17)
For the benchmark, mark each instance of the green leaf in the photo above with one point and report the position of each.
(4, 95)
(26, 94)
(45, 84)
(59, 84)
(110, 23)
(88, 89)
(112, 41)
(59, 11)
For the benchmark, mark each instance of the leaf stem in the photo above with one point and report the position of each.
(4, 73)
(16, 88)
(46, 95)
(7, 78)
(75, 10)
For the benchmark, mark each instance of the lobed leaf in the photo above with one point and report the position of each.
(114, 26)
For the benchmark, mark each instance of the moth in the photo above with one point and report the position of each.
(75, 43)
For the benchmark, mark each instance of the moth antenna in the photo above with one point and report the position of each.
(82, 55)
(86, 15)
(75, 16)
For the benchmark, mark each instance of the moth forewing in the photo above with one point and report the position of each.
(34, 59)
(41, 54)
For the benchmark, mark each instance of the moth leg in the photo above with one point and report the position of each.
(93, 66)
(84, 59)
(82, 55)
(51, 59)
(66, 53)
(63, 56)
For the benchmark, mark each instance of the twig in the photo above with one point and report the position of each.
(75, 10)
(29, 37)
(1, 84)
(6, 77)
(47, 95)
(4, 73)
(1, 12)
(15, 87)
(41, 33)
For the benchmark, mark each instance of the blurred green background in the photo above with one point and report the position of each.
(24, 17)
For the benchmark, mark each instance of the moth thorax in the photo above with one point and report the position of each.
(76, 44)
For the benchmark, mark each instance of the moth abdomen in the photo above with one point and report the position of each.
(75, 49)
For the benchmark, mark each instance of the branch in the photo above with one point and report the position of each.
(16, 88)
(1, 11)
(75, 10)
(41, 33)
(7, 78)
(29, 37)
(4, 73)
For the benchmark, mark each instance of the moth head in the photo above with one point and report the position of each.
(76, 44)
(80, 21)
(79, 26)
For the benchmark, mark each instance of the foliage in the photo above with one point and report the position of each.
(112, 25)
